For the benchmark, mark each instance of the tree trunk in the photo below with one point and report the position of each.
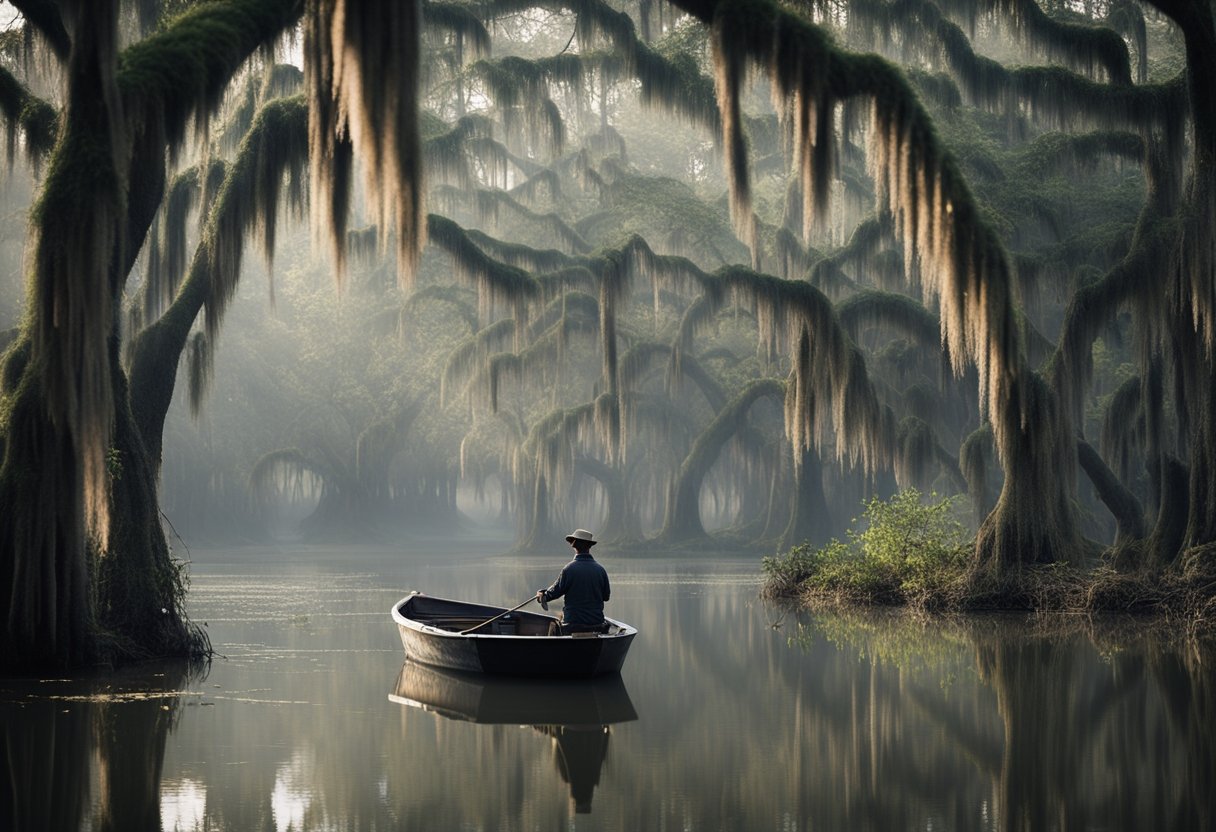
(1033, 519)
(810, 520)
(618, 525)
(1123, 505)
(683, 520)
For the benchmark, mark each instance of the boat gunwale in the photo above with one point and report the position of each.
(626, 630)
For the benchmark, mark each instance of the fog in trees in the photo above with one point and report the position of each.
(698, 276)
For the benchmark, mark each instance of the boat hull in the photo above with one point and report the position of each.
(429, 635)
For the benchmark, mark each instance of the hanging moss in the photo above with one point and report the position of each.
(520, 91)
(275, 149)
(167, 252)
(471, 355)
(35, 118)
(446, 151)
(461, 19)
(362, 75)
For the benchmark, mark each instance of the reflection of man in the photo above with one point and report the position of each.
(579, 753)
(584, 583)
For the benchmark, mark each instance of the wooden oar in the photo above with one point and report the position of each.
(495, 618)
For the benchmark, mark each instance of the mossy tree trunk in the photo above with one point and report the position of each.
(1195, 301)
(76, 480)
(1033, 520)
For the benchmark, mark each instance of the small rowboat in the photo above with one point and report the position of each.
(517, 644)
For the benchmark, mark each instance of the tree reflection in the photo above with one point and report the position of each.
(1069, 727)
(59, 736)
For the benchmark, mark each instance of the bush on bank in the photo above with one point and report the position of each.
(910, 551)
(903, 551)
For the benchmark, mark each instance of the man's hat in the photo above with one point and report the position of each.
(583, 535)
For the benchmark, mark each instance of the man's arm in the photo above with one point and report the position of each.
(557, 590)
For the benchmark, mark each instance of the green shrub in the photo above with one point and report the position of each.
(903, 551)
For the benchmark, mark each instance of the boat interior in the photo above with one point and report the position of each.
(452, 618)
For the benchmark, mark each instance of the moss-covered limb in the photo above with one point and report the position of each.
(830, 398)
(1093, 306)
(640, 357)
(540, 261)
(537, 360)
(46, 17)
(936, 218)
(246, 202)
(35, 118)
(893, 311)
(489, 202)
(863, 243)
(183, 70)
(682, 521)
(1053, 92)
(1086, 148)
(1122, 503)
(461, 20)
(496, 282)
(1083, 46)
(446, 152)
(470, 355)
(672, 84)
(451, 295)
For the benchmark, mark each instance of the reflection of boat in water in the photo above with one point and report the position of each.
(436, 631)
(575, 714)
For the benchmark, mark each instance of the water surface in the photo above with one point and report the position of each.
(729, 714)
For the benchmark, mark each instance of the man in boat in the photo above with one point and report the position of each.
(584, 584)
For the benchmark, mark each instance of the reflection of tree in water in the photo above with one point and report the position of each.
(1054, 714)
(44, 763)
(1071, 730)
(50, 734)
(579, 752)
(1185, 679)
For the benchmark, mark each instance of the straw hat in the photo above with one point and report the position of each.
(583, 535)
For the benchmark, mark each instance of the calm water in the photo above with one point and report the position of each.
(728, 715)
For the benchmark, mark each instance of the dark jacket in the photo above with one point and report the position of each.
(584, 583)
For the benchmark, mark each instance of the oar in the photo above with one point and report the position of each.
(495, 618)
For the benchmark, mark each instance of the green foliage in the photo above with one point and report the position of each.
(906, 552)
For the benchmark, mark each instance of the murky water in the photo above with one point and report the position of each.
(728, 715)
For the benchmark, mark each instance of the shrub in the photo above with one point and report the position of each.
(905, 551)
